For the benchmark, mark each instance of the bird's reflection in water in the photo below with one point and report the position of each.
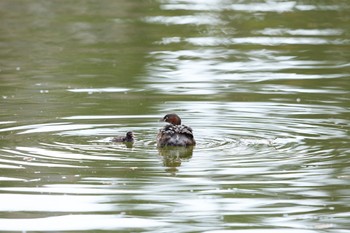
(173, 156)
(129, 144)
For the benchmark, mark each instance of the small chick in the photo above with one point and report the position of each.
(128, 138)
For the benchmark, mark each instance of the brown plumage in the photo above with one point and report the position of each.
(175, 134)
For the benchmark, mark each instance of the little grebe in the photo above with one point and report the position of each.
(175, 134)
(128, 138)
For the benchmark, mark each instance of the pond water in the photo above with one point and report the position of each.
(264, 85)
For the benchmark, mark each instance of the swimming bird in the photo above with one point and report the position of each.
(174, 133)
(128, 138)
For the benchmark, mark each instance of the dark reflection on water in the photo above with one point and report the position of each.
(263, 84)
(174, 156)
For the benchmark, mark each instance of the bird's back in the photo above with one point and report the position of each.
(175, 135)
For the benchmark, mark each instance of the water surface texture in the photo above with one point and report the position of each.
(264, 85)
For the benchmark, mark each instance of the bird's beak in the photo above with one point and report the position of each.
(161, 120)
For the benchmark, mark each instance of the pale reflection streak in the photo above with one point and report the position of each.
(99, 90)
(50, 127)
(280, 229)
(229, 5)
(82, 189)
(59, 203)
(186, 19)
(301, 32)
(78, 222)
(260, 40)
(60, 155)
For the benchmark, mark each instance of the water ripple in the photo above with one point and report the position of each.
(263, 84)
